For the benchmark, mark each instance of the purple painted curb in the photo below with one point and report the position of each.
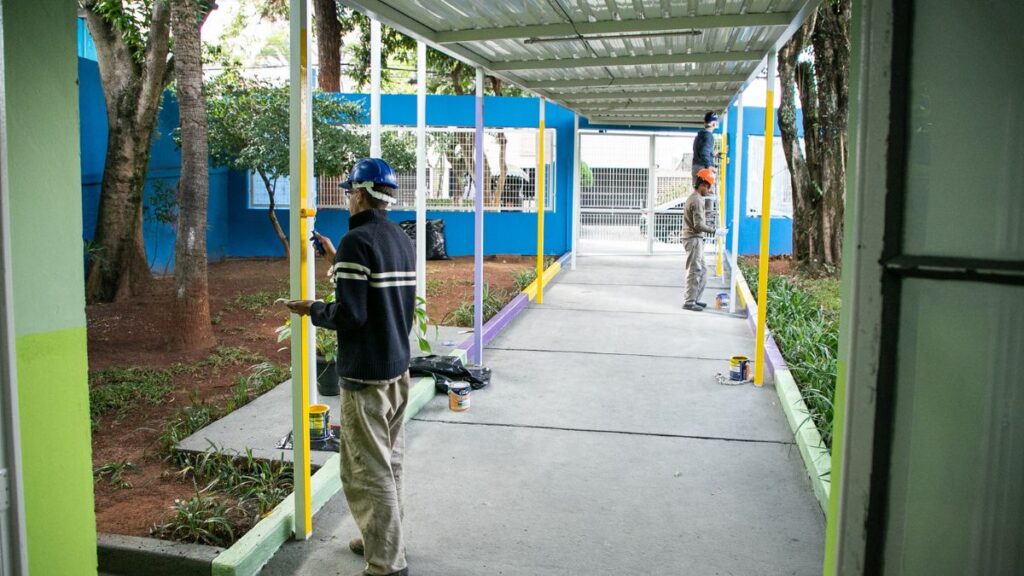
(772, 354)
(499, 321)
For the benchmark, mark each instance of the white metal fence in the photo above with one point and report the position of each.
(626, 178)
(508, 152)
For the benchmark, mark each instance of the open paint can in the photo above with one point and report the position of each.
(319, 422)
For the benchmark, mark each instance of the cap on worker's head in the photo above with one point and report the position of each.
(710, 117)
(706, 175)
(370, 173)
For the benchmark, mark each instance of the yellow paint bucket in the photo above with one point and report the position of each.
(739, 368)
(319, 422)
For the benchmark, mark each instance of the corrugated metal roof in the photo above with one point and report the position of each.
(614, 61)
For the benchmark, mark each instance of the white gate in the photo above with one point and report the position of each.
(632, 189)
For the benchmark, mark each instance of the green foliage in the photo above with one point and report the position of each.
(493, 300)
(202, 519)
(118, 390)
(115, 471)
(229, 356)
(249, 128)
(586, 175)
(803, 316)
(523, 278)
(162, 203)
(258, 302)
(420, 323)
(261, 378)
(187, 420)
(131, 19)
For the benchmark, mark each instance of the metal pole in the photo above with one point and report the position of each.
(375, 88)
(14, 543)
(478, 227)
(766, 216)
(722, 170)
(303, 345)
(576, 180)
(652, 192)
(740, 178)
(421, 170)
(540, 204)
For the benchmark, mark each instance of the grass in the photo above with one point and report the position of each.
(803, 315)
(494, 301)
(115, 473)
(524, 278)
(116, 391)
(258, 302)
(238, 490)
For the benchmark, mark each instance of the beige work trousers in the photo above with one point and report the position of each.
(372, 445)
(696, 271)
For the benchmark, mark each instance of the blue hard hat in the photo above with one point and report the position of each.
(373, 170)
(710, 117)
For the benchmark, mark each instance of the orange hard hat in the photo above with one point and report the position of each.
(707, 175)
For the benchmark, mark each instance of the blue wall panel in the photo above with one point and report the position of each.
(781, 231)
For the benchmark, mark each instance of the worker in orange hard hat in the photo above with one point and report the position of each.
(694, 229)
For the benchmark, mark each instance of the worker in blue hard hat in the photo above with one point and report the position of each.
(704, 147)
(374, 273)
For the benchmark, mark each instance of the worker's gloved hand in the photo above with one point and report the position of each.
(721, 232)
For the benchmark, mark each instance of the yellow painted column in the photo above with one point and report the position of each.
(301, 171)
(766, 215)
(540, 205)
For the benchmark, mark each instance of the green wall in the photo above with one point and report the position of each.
(40, 80)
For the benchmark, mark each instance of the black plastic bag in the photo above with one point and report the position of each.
(437, 246)
(445, 369)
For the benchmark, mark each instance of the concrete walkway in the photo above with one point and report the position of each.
(603, 446)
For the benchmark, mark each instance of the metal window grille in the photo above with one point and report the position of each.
(450, 166)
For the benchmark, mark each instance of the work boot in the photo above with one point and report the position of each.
(692, 307)
(701, 304)
(356, 546)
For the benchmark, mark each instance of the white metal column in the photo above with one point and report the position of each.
(738, 178)
(575, 189)
(421, 170)
(375, 88)
(13, 543)
(652, 193)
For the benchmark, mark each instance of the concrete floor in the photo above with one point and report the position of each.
(603, 446)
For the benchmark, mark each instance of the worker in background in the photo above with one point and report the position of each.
(694, 228)
(374, 274)
(704, 147)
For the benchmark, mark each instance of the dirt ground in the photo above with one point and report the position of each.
(135, 333)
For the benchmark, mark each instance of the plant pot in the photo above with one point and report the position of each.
(327, 382)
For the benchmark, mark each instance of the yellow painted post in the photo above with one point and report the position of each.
(540, 205)
(766, 214)
(301, 170)
(722, 169)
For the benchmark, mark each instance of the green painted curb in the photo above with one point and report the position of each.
(816, 456)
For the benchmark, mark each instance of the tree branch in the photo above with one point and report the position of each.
(155, 60)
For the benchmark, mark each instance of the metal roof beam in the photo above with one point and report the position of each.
(611, 61)
(615, 26)
(639, 81)
(581, 97)
(698, 124)
(642, 107)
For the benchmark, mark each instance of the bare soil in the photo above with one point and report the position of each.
(136, 333)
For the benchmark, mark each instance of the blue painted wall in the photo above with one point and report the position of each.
(781, 229)
(504, 232)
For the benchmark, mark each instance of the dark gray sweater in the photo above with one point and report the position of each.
(374, 275)
(704, 149)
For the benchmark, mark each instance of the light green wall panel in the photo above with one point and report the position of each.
(56, 451)
(956, 501)
(965, 145)
(44, 166)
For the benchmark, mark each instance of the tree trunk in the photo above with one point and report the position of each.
(819, 174)
(132, 91)
(272, 215)
(191, 294)
(328, 44)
